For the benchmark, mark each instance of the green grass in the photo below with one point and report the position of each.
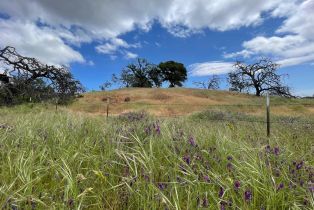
(66, 160)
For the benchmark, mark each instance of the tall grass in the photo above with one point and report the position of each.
(62, 160)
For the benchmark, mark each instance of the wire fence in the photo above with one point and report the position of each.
(220, 116)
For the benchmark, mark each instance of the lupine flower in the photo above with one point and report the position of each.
(187, 159)
(237, 185)
(157, 128)
(205, 202)
(248, 195)
(162, 186)
(148, 130)
(192, 141)
(280, 186)
(299, 165)
(229, 158)
(276, 151)
(221, 192)
(206, 178)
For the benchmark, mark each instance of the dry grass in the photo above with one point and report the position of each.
(183, 101)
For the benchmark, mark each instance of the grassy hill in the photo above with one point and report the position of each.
(183, 101)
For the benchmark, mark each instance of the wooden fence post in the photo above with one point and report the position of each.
(57, 101)
(108, 102)
(268, 114)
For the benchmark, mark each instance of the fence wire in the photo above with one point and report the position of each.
(232, 119)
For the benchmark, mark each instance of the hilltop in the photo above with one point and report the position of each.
(183, 101)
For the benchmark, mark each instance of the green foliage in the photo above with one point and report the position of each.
(139, 74)
(144, 74)
(173, 72)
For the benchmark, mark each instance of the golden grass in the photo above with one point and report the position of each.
(183, 101)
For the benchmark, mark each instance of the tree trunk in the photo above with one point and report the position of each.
(258, 92)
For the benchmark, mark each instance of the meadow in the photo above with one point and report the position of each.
(76, 159)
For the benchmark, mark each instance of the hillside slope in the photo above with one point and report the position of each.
(182, 101)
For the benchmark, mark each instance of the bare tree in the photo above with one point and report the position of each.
(26, 71)
(212, 83)
(261, 76)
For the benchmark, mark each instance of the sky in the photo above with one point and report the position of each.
(98, 38)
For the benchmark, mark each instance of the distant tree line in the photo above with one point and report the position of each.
(144, 74)
(27, 79)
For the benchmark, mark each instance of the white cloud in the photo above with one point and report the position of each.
(79, 21)
(114, 46)
(210, 68)
(107, 19)
(130, 55)
(33, 41)
(295, 46)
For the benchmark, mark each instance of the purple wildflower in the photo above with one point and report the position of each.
(205, 202)
(187, 159)
(276, 151)
(299, 165)
(206, 178)
(280, 186)
(192, 141)
(221, 192)
(237, 185)
(148, 130)
(157, 129)
(248, 195)
(162, 186)
(229, 158)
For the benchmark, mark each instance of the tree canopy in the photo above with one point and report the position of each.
(31, 78)
(173, 72)
(260, 76)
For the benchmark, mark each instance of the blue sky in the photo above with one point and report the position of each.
(99, 38)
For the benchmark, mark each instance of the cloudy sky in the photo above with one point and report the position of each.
(97, 38)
